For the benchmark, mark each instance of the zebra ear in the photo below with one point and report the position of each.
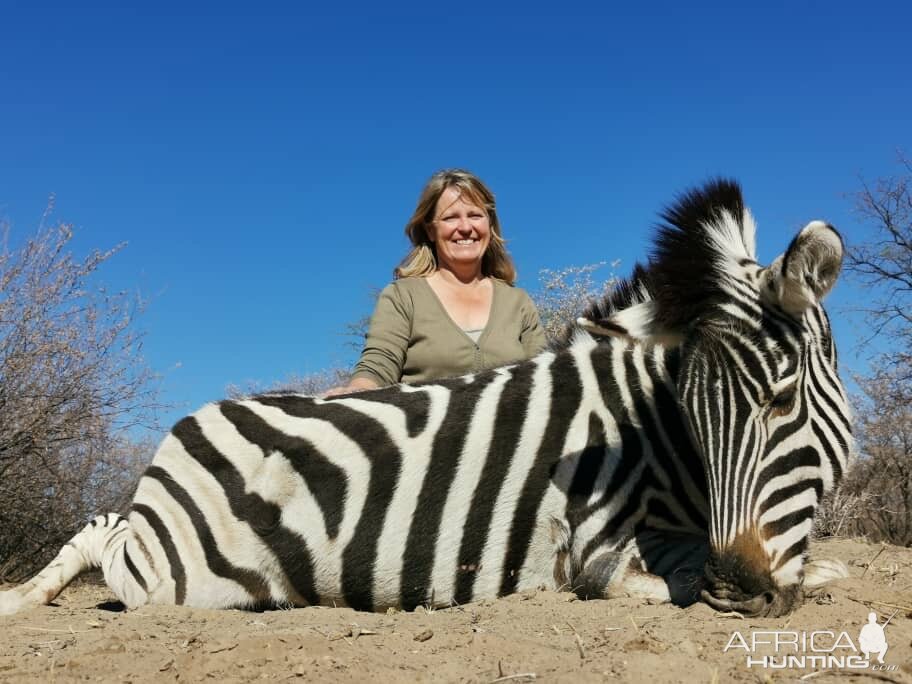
(801, 277)
(637, 322)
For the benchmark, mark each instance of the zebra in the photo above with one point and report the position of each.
(673, 446)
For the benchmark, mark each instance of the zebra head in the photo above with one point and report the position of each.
(757, 384)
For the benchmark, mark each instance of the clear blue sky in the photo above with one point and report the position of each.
(261, 159)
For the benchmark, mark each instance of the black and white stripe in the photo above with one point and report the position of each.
(695, 427)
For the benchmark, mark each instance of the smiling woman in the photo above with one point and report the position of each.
(452, 308)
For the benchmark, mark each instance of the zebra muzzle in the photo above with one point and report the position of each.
(738, 579)
(767, 604)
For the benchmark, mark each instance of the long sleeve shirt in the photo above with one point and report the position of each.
(412, 337)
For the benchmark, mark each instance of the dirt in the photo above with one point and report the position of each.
(545, 636)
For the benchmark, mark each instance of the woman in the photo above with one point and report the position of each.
(452, 308)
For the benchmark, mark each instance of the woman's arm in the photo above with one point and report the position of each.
(387, 340)
(532, 335)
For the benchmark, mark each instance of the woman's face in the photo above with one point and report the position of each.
(460, 231)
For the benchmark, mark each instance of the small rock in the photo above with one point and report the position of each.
(424, 636)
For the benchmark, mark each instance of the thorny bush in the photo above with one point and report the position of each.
(72, 384)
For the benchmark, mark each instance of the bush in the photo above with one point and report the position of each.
(875, 498)
(312, 384)
(564, 294)
(72, 383)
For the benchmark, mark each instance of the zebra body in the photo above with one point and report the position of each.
(490, 504)
(676, 449)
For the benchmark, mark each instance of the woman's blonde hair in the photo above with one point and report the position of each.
(422, 259)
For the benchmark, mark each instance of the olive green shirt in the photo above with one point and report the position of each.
(412, 337)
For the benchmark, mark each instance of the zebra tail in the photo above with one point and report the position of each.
(101, 543)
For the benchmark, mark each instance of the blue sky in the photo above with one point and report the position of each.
(261, 160)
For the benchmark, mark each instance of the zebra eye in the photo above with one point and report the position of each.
(783, 403)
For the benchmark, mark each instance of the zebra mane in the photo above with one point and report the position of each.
(706, 238)
(626, 292)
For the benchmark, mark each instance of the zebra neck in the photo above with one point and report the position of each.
(637, 438)
(635, 379)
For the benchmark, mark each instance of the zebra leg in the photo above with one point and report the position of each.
(615, 574)
(99, 544)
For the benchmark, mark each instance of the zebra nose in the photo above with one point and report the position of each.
(741, 582)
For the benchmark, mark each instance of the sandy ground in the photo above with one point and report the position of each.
(544, 636)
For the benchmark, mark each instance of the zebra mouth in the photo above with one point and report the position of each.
(757, 606)
(767, 604)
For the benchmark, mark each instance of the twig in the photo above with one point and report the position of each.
(222, 649)
(56, 631)
(633, 622)
(731, 614)
(890, 618)
(877, 603)
(579, 645)
(871, 562)
(524, 675)
(579, 642)
(891, 605)
(857, 600)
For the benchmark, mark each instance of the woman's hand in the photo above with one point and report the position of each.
(356, 385)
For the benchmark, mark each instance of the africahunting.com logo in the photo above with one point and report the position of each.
(819, 649)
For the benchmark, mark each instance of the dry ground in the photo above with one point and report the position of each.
(544, 636)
